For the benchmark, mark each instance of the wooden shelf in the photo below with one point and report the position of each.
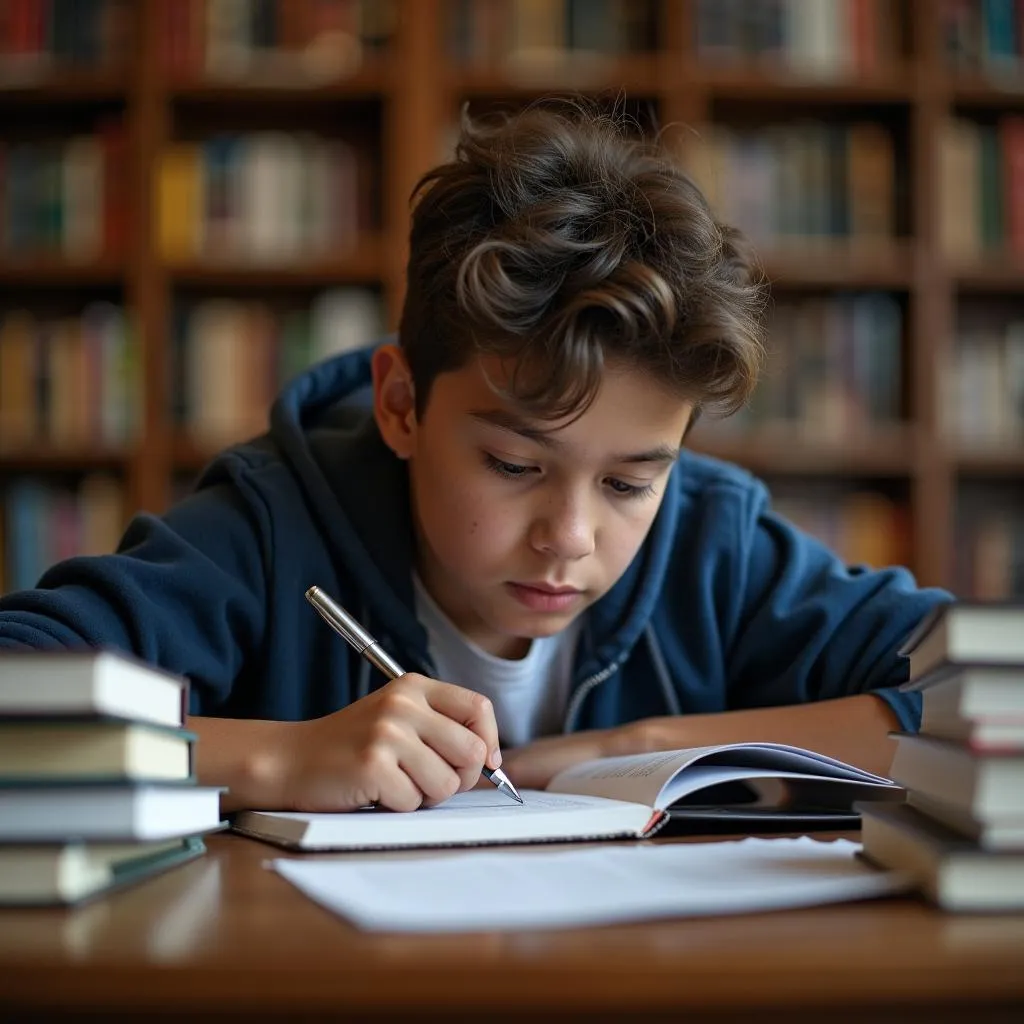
(46, 270)
(1005, 462)
(45, 459)
(773, 86)
(889, 453)
(637, 75)
(372, 81)
(817, 263)
(365, 265)
(994, 92)
(66, 87)
(991, 274)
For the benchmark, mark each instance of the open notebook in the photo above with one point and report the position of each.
(617, 797)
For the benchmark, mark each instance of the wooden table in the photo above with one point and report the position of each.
(225, 935)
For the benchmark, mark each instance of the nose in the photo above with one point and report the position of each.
(564, 528)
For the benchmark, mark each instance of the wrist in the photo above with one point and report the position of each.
(266, 769)
(641, 737)
(251, 759)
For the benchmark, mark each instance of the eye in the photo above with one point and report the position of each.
(509, 470)
(624, 490)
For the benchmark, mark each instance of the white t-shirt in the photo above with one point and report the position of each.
(529, 694)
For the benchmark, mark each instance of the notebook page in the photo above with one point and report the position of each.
(479, 816)
(595, 885)
(636, 777)
(660, 778)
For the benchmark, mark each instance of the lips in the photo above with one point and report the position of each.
(548, 588)
(545, 597)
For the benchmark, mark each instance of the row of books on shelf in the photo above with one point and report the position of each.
(836, 364)
(803, 179)
(981, 182)
(265, 196)
(68, 381)
(66, 196)
(231, 357)
(821, 38)
(835, 368)
(294, 40)
(493, 32)
(983, 36)
(43, 522)
(268, 194)
(984, 387)
(98, 783)
(960, 831)
(39, 36)
(322, 39)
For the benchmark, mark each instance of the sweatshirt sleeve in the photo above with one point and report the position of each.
(184, 591)
(811, 628)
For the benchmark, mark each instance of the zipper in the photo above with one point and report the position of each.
(585, 688)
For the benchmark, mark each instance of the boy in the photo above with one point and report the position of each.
(515, 515)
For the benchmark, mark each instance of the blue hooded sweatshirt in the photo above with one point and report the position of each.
(726, 605)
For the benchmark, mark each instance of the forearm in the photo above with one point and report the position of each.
(246, 756)
(853, 729)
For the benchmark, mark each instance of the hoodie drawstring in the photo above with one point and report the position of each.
(661, 671)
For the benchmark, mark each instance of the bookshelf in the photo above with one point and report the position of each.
(394, 109)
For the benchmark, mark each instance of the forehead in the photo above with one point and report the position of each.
(629, 403)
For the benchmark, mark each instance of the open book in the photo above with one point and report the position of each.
(611, 798)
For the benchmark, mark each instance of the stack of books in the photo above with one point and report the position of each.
(97, 779)
(961, 830)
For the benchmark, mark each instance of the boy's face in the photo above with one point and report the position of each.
(522, 524)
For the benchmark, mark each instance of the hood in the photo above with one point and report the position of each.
(358, 491)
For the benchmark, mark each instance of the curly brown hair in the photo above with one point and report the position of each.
(559, 239)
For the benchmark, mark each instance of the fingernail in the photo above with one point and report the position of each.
(495, 758)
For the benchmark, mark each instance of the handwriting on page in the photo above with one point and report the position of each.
(633, 768)
(476, 800)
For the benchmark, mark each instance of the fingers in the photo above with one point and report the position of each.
(417, 741)
(439, 755)
(455, 744)
(397, 791)
(468, 708)
(400, 772)
(429, 774)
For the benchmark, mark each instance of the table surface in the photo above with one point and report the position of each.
(226, 933)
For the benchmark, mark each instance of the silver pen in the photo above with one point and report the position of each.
(346, 627)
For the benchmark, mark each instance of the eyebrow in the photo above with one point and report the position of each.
(663, 453)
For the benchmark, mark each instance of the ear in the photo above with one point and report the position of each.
(394, 400)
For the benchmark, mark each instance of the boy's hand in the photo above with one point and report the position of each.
(414, 741)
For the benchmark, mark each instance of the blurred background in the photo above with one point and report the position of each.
(198, 198)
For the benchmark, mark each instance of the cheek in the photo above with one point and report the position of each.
(623, 542)
(469, 526)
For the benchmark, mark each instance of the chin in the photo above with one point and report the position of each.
(536, 627)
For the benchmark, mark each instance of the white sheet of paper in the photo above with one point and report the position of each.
(485, 890)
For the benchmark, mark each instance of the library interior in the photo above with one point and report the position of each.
(201, 198)
(194, 206)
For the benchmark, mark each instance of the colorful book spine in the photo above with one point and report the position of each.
(64, 197)
(260, 198)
